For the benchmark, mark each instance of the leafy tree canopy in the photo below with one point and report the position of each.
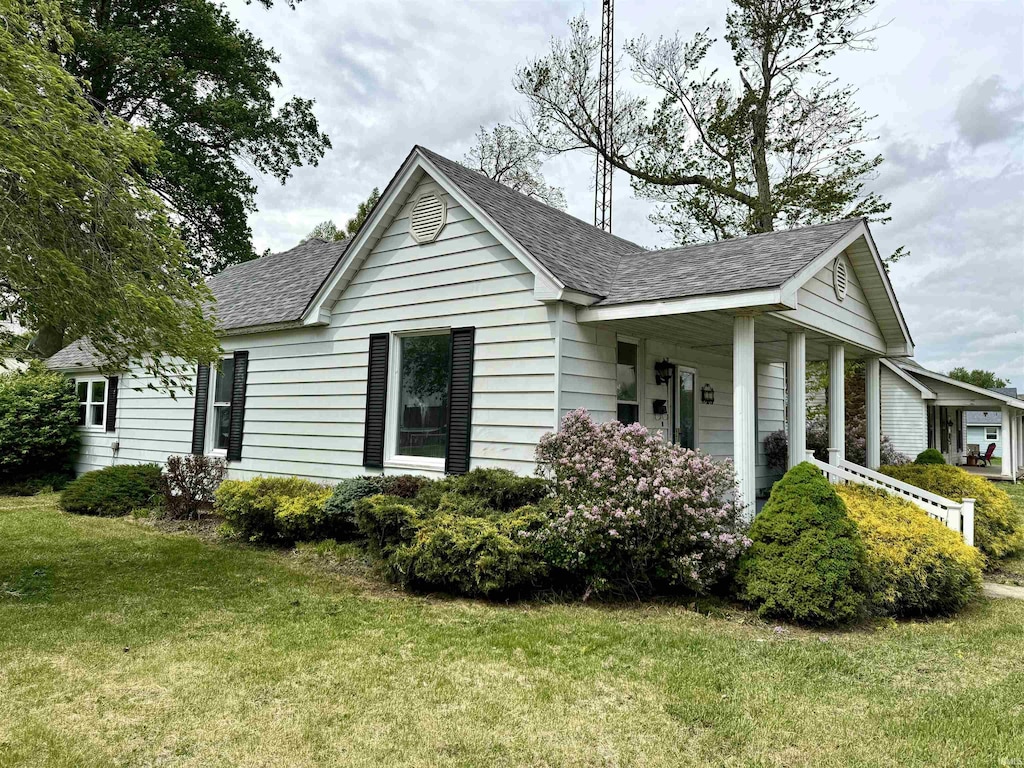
(514, 159)
(205, 88)
(978, 378)
(776, 143)
(328, 230)
(86, 245)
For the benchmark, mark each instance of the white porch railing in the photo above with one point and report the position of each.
(956, 515)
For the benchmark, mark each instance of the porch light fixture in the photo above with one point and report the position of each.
(707, 394)
(663, 372)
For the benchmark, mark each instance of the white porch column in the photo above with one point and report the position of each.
(1006, 444)
(836, 403)
(744, 441)
(873, 413)
(796, 375)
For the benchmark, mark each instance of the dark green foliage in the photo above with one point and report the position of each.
(274, 509)
(930, 456)
(38, 433)
(807, 562)
(112, 491)
(387, 522)
(36, 484)
(208, 89)
(474, 556)
(494, 489)
(978, 377)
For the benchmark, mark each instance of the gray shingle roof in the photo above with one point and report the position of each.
(77, 354)
(983, 417)
(276, 288)
(593, 261)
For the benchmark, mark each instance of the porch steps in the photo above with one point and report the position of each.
(956, 515)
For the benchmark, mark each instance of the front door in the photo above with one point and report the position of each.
(685, 396)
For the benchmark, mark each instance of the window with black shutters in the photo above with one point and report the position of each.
(221, 384)
(92, 402)
(423, 362)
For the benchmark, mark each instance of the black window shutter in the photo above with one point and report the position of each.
(376, 401)
(237, 424)
(111, 403)
(199, 416)
(460, 401)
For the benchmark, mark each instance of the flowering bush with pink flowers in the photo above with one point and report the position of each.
(635, 514)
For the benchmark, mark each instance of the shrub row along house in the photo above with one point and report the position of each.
(464, 319)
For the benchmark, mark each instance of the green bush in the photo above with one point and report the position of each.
(38, 426)
(918, 566)
(32, 485)
(499, 490)
(807, 562)
(930, 456)
(113, 491)
(474, 556)
(387, 522)
(998, 522)
(341, 504)
(273, 509)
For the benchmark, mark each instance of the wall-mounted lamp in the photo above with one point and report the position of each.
(663, 372)
(707, 394)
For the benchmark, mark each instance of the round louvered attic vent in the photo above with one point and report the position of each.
(428, 218)
(840, 277)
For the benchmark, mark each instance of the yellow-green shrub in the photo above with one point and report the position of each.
(918, 566)
(303, 517)
(998, 522)
(250, 508)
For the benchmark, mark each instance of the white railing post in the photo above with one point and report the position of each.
(967, 515)
(953, 515)
(834, 456)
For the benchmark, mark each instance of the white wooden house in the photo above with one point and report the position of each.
(924, 409)
(464, 319)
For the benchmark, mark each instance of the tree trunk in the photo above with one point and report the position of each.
(49, 340)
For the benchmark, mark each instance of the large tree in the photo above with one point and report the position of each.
(328, 230)
(87, 248)
(776, 143)
(513, 158)
(978, 377)
(205, 87)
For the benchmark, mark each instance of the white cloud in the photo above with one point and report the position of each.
(945, 82)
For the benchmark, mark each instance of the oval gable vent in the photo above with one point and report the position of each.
(840, 277)
(428, 218)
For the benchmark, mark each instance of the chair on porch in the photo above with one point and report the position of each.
(984, 461)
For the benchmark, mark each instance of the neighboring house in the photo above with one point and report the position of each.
(924, 409)
(464, 319)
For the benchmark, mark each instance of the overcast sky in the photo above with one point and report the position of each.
(946, 82)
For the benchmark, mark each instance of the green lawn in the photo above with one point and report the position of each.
(1010, 570)
(122, 645)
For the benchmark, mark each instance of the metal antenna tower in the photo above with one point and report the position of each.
(605, 110)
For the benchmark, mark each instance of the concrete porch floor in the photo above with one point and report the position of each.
(992, 473)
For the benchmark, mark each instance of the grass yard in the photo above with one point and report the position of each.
(1010, 570)
(123, 645)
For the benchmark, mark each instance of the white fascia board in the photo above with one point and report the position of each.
(926, 393)
(547, 287)
(988, 393)
(762, 299)
(859, 230)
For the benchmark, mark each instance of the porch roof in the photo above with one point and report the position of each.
(951, 392)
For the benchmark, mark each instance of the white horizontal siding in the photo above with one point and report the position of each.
(306, 387)
(904, 415)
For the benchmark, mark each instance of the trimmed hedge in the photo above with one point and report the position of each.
(342, 501)
(112, 491)
(499, 490)
(930, 456)
(998, 522)
(918, 566)
(807, 562)
(276, 510)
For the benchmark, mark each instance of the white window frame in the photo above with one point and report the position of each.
(995, 434)
(393, 459)
(89, 403)
(640, 375)
(211, 411)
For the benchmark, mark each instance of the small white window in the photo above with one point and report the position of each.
(221, 384)
(422, 370)
(991, 433)
(92, 403)
(627, 381)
